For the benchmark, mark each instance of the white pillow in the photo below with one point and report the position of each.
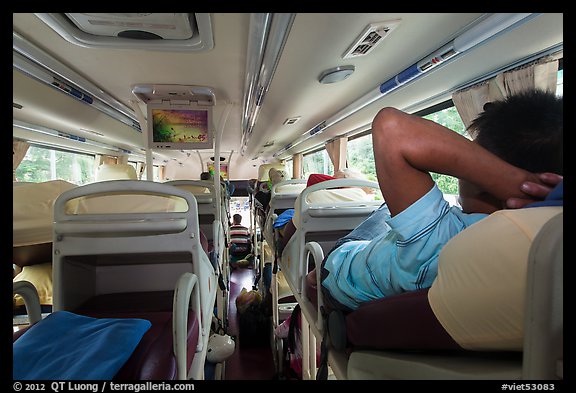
(331, 196)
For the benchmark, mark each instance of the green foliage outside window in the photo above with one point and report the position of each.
(360, 154)
(449, 118)
(41, 165)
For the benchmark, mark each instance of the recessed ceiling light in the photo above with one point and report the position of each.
(336, 74)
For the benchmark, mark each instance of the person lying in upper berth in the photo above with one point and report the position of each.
(396, 249)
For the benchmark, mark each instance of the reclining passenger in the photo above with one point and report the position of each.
(263, 195)
(396, 249)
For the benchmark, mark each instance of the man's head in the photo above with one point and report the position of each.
(526, 130)
(237, 219)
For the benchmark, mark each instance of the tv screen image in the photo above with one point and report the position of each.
(223, 170)
(180, 126)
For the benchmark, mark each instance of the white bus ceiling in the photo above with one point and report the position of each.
(316, 42)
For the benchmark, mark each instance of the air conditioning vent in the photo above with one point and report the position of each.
(370, 37)
(291, 120)
(149, 31)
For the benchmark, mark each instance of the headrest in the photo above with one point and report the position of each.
(264, 170)
(116, 172)
(276, 176)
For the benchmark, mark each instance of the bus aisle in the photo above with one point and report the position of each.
(249, 362)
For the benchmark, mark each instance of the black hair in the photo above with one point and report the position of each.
(525, 129)
(237, 218)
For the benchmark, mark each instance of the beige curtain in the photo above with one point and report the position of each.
(337, 152)
(161, 173)
(109, 160)
(297, 166)
(541, 74)
(19, 149)
(470, 101)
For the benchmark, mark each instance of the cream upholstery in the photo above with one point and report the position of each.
(479, 294)
(32, 211)
(116, 172)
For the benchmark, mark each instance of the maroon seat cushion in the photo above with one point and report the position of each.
(153, 358)
(403, 321)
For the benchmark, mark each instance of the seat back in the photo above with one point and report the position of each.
(544, 324)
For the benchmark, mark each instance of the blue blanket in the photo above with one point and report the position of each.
(67, 346)
(283, 218)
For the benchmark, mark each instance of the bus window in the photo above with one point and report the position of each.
(449, 118)
(360, 156)
(289, 168)
(241, 205)
(317, 162)
(42, 164)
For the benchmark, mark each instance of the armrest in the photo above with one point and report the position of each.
(313, 249)
(186, 291)
(31, 299)
(544, 319)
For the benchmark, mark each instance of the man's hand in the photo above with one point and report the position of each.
(535, 192)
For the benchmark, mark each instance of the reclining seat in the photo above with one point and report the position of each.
(138, 255)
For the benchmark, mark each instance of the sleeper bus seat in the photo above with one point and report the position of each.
(33, 205)
(153, 358)
(32, 218)
(213, 220)
(494, 312)
(324, 212)
(130, 236)
(116, 172)
(282, 197)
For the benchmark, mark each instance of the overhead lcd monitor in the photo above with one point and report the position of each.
(179, 127)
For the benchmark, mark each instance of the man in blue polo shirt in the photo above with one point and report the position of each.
(396, 249)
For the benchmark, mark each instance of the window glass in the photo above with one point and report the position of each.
(449, 118)
(241, 205)
(42, 164)
(289, 167)
(317, 162)
(360, 156)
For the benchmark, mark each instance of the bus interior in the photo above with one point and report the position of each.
(139, 137)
